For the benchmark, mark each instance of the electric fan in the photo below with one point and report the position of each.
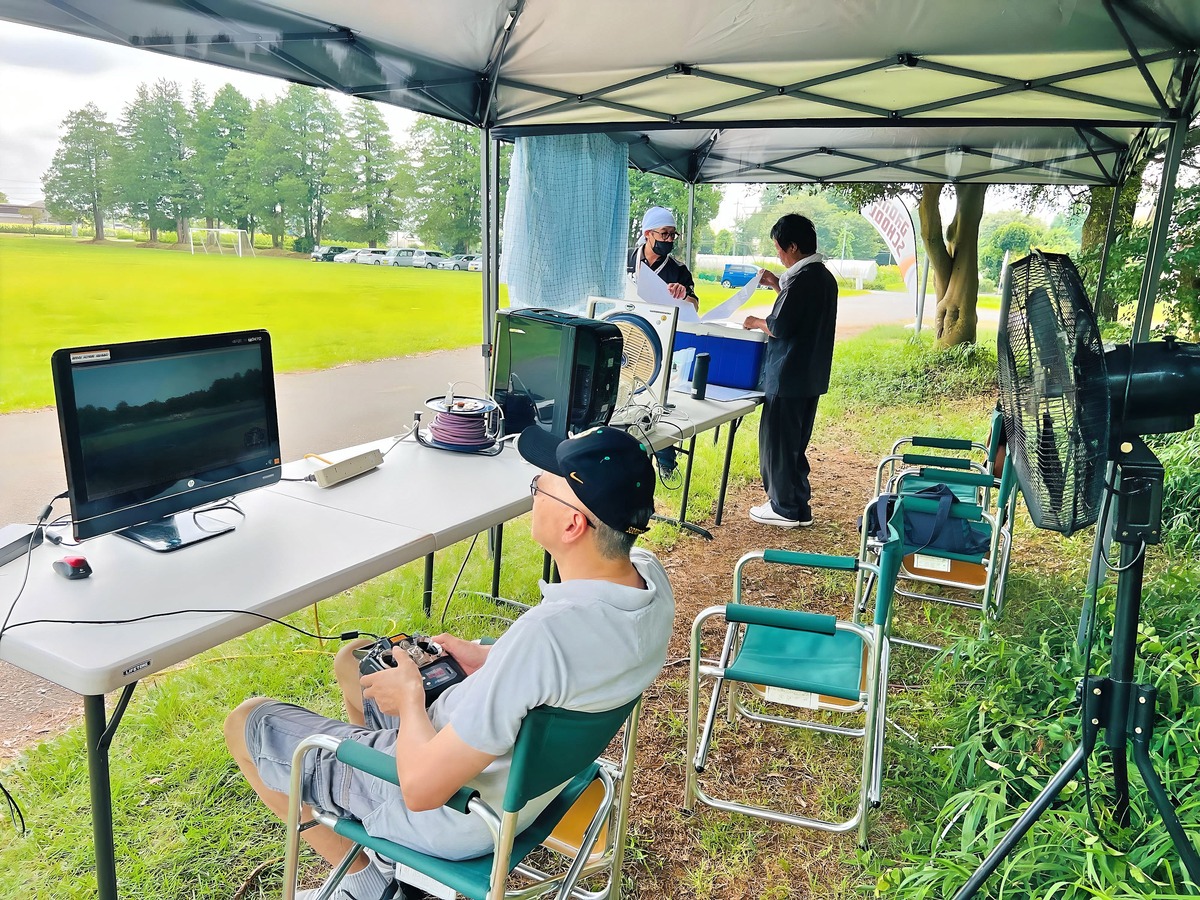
(648, 332)
(1073, 412)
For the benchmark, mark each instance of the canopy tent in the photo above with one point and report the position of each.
(1071, 92)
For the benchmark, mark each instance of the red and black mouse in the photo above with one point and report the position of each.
(72, 567)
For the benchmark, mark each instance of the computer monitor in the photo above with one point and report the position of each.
(555, 370)
(152, 429)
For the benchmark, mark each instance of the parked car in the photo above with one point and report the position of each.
(475, 265)
(398, 256)
(370, 256)
(427, 259)
(345, 256)
(326, 254)
(736, 275)
(457, 262)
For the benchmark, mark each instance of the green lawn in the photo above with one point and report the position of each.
(58, 292)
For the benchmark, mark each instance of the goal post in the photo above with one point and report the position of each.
(235, 240)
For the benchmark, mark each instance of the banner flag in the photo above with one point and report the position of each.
(894, 223)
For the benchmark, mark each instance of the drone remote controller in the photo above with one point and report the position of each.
(438, 669)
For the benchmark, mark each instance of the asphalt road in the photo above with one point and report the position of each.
(318, 411)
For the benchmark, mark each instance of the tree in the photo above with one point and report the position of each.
(953, 251)
(220, 130)
(3, 197)
(1014, 238)
(306, 126)
(367, 165)
(837, 224)
(155, 174)
(78, 183)
(257, 169)
(442, 184)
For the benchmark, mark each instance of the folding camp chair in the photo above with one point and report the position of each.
(583, 827)
(943, 453)
(836, 670)
(974, 580)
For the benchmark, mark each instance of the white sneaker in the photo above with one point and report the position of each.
(367, 884)
(765, 515)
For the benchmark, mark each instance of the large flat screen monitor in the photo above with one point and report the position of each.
(152, 429)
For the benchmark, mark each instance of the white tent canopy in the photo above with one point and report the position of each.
(718, 90)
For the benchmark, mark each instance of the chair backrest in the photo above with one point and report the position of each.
(556, 744)
(891, 554)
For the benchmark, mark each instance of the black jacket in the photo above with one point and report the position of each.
(799, 351)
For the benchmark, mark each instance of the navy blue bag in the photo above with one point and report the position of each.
(923, 531)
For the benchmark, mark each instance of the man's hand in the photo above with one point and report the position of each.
(770, 279)
(678, 291)
(396, 690)
(468, 654)
(753, 322)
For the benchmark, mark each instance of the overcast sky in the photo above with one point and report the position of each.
(46, 75)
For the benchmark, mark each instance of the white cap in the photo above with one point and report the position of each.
(656, 218)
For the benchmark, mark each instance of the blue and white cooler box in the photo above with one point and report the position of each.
(736, 353)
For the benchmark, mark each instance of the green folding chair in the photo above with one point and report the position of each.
(967, 580)
(553, 746)
(958, 454)
(802, 670)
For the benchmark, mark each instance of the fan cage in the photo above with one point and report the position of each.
(1053, 391)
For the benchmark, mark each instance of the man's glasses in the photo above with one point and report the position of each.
(534, 490)
(666, 235)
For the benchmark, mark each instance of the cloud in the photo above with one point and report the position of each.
(36, 48)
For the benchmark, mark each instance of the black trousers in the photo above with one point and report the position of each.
(783, 435)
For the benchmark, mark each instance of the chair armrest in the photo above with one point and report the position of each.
(781, 618)
(944, 443)
(815, 560)
(383, 765)
(948, 462)
(913, 503)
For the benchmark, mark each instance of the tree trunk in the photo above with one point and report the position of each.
(954, 259)
(210, 223)
(153, 234)
(181, 230)
(98, 222)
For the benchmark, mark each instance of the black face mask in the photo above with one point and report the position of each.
(663, 248)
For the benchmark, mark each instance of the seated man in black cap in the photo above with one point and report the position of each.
(595, 642)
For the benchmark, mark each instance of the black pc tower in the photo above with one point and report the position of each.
(555, 370)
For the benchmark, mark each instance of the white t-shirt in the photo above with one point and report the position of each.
(588, 646)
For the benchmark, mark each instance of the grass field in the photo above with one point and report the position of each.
(57, 292)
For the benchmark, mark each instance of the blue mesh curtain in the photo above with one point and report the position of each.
(566, 221)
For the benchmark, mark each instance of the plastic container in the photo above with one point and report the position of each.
(736, 353)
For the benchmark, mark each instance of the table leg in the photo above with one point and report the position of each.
(497, 549)
(99, 737)
(682, 521)
(733, 427)
(427, 594)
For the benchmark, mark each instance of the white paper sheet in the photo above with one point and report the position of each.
(734, 303)
(652, 289)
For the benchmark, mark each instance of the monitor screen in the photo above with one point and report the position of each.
(154, 428)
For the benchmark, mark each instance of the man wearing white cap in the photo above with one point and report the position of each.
(659, 234)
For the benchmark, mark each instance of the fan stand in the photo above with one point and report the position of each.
(1123, 709)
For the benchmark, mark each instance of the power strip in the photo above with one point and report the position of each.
(338, 472)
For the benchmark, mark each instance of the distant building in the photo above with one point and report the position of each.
(11, 213)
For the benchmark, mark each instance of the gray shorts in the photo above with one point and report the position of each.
(274, 730)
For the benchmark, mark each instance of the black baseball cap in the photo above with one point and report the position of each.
(608, 469)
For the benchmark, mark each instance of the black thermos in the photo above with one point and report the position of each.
(700, 376)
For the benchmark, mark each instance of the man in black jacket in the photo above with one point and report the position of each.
(799, 355)
(653, 251)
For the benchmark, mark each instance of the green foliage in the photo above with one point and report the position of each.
(647, 190)
(367, 163)
(153, 171)
(78, 184)
(1180, 456)
(887, 366)
(219, 132)
(837, 222)
(441, 186)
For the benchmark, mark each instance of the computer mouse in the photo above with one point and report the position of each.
(72, 567)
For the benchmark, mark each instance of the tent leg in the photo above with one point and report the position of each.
(691, 216)
(486, 163)
(1157, 250)
(1108, 237)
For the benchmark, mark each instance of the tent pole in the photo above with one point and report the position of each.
(488, 249)
(494, 224)
(1108, 236)
(1157, 250)
(691, 260)
(921, 296)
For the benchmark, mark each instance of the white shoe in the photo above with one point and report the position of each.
(764, 515)
(372, 885)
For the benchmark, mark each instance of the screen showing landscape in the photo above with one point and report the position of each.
(165, 425)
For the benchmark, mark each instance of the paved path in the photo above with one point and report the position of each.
(318, 411)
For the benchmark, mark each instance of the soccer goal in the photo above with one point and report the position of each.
(235, 240)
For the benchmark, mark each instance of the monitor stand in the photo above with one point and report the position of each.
(173, 532)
